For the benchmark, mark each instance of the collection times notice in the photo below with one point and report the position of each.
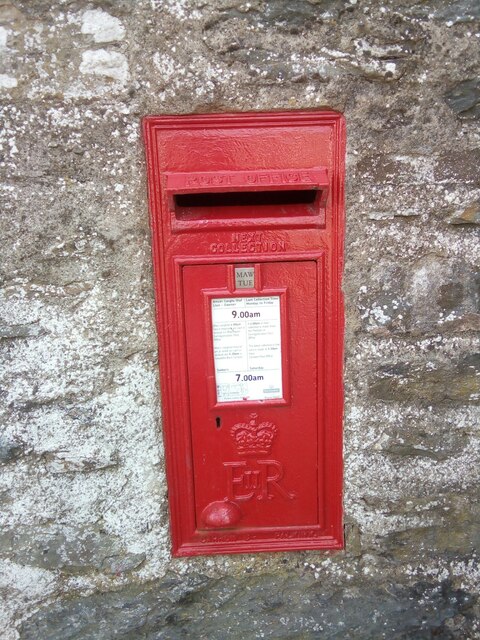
(247, 348)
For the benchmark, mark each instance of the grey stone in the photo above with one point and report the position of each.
(462, 537)
(20, 331)
(464, 98)
(432, 295)
(451, 12)
(70, 550)
(408, 450)
(10, 449)
(467, 215)
(402, 382)
(283, 606)
(73, 462)
(303, 13)
(282, 13)
(458, 166)
(460, 11)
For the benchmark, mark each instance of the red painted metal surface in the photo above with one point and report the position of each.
(247, 231)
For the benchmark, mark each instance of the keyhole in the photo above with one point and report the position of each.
(218, 422)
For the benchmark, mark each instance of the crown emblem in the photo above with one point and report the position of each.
(252, 438)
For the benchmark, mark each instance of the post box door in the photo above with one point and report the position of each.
(252, 351)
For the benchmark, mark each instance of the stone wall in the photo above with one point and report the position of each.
(84, 538)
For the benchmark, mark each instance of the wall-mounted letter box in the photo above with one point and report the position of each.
(247, 231)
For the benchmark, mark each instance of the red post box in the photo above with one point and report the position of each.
(247, 232)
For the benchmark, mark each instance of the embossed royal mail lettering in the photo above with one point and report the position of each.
(248, 242)
(281, 177)
(205, 180)
(258, 479)
(254, 178)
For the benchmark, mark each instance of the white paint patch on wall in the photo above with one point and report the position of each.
(7, 82)
(179, 9)
(167, 66)
(3, 37)
(102, 26)
(101, 62)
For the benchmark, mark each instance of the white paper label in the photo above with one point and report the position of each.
(244, 277)
(247, 348)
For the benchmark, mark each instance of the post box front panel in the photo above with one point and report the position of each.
(247, 236)
(260, 456)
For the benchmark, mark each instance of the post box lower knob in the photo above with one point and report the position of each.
(221, 514)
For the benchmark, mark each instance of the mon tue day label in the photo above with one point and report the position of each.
(247, 348)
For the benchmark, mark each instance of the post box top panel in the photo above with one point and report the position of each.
(212, 172)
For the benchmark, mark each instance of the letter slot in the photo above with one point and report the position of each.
(238, 194)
